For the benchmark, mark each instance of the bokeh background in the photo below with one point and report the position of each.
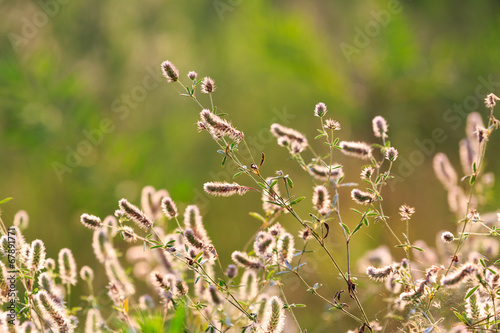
(66, 66)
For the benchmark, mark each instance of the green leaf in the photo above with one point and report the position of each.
(237, 174)
(346, 229)
(258, 216)
(357, 228)
(469, 294)
(289, 181)
(5, 200)
(296, 201)
(472, 179)
(224, 159)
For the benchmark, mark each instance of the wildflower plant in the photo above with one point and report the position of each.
(168, 250)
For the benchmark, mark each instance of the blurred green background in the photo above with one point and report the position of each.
(67, 65)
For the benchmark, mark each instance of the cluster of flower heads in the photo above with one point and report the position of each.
(469, 150)
(47, 281)
(188, 248)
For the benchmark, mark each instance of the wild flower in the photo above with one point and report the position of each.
(274, 316)
(406, 212)
(169, 208)
(490, 100)
(169, 71)
(192, 75)
(391, 154)
(54, 313)
(67, 266)
(367, 172)
(447, 237)
(207, 85)
(379, 274)
(36, 259)
(356, 149)
(320, 110)
(91, 221)
(362, 197)
(219, 127)
(324, 173)
(242, 260)
(134, 213)
(224, 189)
(290, 137)
(444, 170)
(332, 124)
(321, 200)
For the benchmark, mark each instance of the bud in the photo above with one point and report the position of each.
(320, 110)
(447, 237)
(379, 127)
(192, 75)
(391, 154)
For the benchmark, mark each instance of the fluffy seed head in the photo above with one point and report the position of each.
(274, 316)
(36, 258)
(54, 313)
(207, 85)
(169, 71)
(21, 219)
(391, 154)
(474, 121)
(293, 138)
(444, 170)
(323, 172)
(242, 260)
(249, 285)
(462, 274)
(356, 149)
(87, 274)
(406, 212)
(379, 127)
(218, 127)
(332, 124)
(286, 248)
(362, 197)
(268, 197)
(128, 234)
(320, 110)
(134, 213)
(91, 221)
(50, 264)
(321, 200)
(447, 237)
(224, 189)
(231, 271)
(67, 266)
(94, 321)
(193, 239)
(379, 274)
(468, 155)
(264, 245)
(169, 208)
(214, 296)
